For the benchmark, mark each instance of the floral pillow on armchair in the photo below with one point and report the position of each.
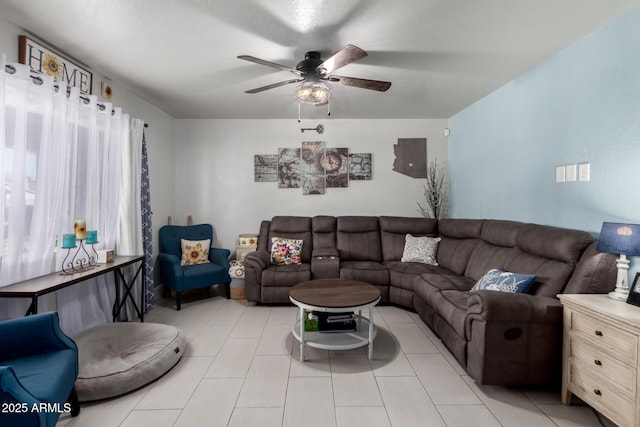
(195, 251)
(285, 251)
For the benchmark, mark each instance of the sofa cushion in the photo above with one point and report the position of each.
(286, 251)
(324, 232)
(595, 273)
(420, 249)
(371, 272)
(505, 281)
(403, 274)
(358, 238)
(553, 243)
(394, 229)
(286, 275)
(459, 239)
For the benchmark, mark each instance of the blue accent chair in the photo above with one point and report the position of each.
(183, 278)
(38, 370)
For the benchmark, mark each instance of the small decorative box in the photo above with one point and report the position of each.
(249, 239)
(242, 251)
(106, 255)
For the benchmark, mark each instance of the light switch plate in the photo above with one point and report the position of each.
(560, 173)
(571, 173)
(584, 172)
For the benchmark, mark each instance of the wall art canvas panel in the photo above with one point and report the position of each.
(313, 184)
(312, 152)
(289, 168)
(411, 157)
(335, 163)
(265, 167)
(360, 166)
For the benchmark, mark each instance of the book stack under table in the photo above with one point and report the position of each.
(330, 322)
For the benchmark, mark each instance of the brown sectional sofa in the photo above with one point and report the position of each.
(500, 338)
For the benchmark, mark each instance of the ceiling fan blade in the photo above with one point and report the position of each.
(361, 83)
(269, 64)
(271, 86)
(345, 56)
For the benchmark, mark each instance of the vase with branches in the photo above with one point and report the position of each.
(435, 193)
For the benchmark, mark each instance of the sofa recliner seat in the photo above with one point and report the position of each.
(498, 337)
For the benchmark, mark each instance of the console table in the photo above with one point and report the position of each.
(38, 286)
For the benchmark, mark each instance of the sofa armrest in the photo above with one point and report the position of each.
(258, 260)
(513, 338)
(169, 258)
(220, 256)
(513, 307)
(12, 391)
(325, 252)
(254, 264)
(33, 335)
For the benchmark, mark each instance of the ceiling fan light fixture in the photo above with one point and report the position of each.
(314, 93)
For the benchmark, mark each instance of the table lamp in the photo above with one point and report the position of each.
(623, 240)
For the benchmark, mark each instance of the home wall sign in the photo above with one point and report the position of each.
(313, 167)
(43, 60)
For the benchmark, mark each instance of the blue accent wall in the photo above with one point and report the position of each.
(581, 105)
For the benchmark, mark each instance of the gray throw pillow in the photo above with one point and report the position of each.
(420, 249)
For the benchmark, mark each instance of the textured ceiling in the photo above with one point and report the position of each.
(441, 55)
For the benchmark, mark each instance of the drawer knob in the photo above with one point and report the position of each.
(597, 392)
(597, 362)
(599, 333)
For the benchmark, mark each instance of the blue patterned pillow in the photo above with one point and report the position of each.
(504, 281)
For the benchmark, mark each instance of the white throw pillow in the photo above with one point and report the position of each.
(420, 249)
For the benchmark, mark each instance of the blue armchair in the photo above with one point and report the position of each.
(38, 370)
(182, 278)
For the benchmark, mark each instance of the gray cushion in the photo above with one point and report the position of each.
(120, 357)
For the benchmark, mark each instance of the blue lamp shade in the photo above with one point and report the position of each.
(619, 239)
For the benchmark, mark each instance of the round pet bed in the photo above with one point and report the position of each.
(119, 357)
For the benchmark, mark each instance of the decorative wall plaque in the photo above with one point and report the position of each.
(43, 60)
(411, 157)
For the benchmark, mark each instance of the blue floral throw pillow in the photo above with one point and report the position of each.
(285, 251)
(504, 281)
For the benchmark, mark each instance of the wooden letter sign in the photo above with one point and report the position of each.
(44, 61)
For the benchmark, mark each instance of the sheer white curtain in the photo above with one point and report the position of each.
(95, 139)
(31, 149)
(62, 159)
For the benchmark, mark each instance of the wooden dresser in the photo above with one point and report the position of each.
(600, 355)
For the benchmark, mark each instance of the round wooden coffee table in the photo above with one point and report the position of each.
(335, 296)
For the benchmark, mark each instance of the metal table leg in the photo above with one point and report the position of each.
(370, 332)
(301, 334)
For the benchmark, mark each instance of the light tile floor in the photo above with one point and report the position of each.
(242, 368)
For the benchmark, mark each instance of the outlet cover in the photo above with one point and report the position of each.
(571, 173)
(560, 173)
(584, 172)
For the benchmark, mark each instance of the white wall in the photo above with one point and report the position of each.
(214, 175)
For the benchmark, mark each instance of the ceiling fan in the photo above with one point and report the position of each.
(313, 71)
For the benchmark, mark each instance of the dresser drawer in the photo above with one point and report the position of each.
(597, 362)
(600, 394)
(619, 343)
